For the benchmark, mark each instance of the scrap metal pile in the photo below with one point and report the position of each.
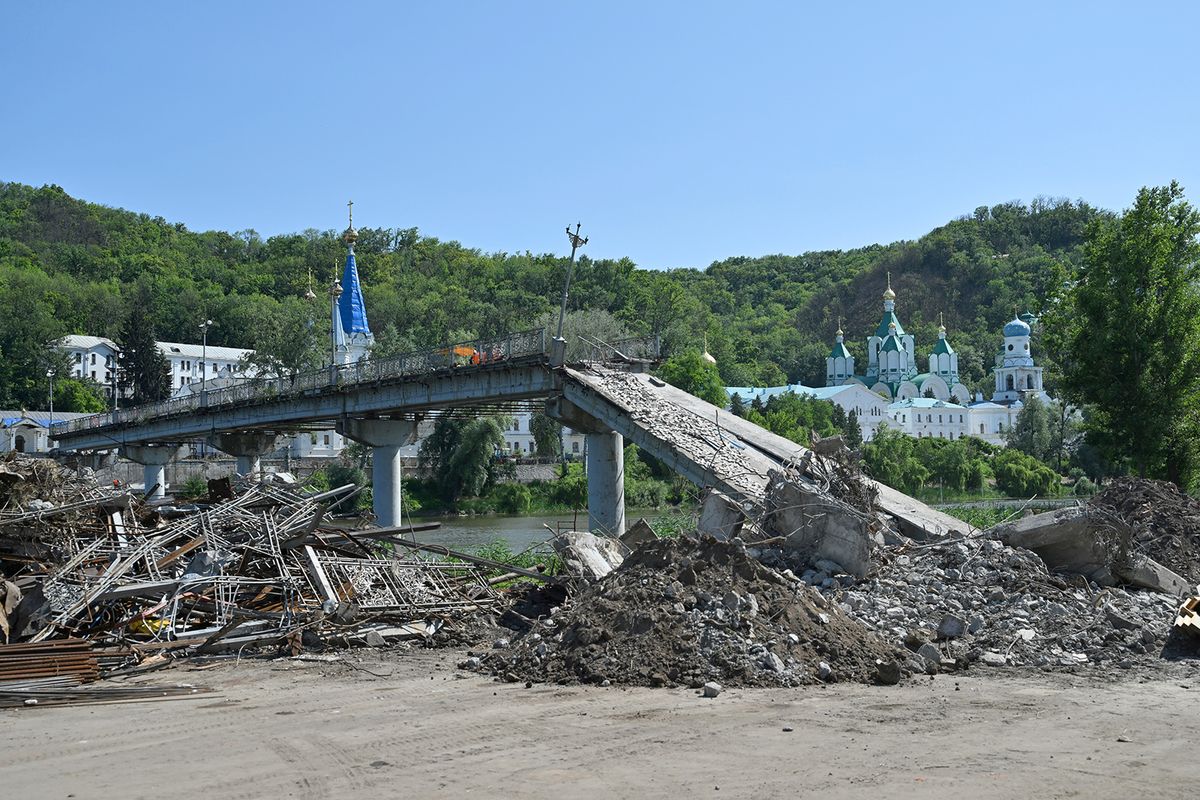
(78, 563)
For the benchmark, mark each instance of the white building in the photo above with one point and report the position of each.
(934, 403)
(519, 440)
(91, 358)
(927, 417)
(224, 366)
(28, 431)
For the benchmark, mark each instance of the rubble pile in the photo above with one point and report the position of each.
(254, 570)
(690, 612)
(975, 600)
(1165, 521)
(38, 494)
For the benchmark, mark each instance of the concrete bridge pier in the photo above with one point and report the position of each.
(248, 448)
(605, 466)
(154, 459)
(385, 437)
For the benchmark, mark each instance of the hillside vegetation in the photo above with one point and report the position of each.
(69, 266)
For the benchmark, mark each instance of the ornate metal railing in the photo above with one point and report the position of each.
(477, 353)
(591, 349)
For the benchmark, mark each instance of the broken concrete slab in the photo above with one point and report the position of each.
(1080, 542)
(1067, 539)
(639, 532)
(915, 519)
(587, 555)
(1149, 574)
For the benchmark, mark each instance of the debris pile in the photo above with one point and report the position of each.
(1164, 520)
(975, 600)
(688, 612)
(257, 569)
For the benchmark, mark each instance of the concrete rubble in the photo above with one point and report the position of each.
(1072, 597)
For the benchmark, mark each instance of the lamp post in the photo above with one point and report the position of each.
(116, 381)
(50, 427)
(204, 326)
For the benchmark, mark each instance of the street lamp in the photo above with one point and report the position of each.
(204, 326)
(118, 360)
(50, 427)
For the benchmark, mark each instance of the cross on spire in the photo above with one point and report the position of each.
(350, 206)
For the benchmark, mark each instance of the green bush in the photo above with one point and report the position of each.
(193, 488)
(512, 498)
(1021, 475)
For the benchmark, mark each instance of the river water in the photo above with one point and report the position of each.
(518, 532)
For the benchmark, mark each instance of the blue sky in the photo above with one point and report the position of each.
(678, 133)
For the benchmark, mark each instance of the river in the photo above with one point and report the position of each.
(518, 532)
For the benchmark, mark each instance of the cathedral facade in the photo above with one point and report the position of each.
(935, 403)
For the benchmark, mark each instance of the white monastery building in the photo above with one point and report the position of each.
(933, 403)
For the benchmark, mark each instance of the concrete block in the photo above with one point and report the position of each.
(1076, 541)
(720, 516)
(587, 555)
(818, 526)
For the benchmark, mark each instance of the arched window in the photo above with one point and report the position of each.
(1008, 382)
(19, 444)
(1028, 381)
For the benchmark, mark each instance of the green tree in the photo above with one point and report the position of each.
(691, 373)
(145, 374)
(547, 435)
(1031, 432)
(737, 406)
(852, 431)
(1021, 475)
(1130, 335)
(796, 417)
(288, 340)
(84, 397)
(891, 458)
(460, 454)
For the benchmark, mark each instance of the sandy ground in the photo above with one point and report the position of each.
(286, 728)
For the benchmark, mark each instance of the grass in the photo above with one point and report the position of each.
(981, 517)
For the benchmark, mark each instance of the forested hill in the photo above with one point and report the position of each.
(68, 266)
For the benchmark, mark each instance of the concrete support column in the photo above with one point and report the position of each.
(154, 459)
(606, 482)
(605, 466)
(248, 448)
(385, 437)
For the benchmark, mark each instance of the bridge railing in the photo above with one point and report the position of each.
(474, 353)
(636, 347)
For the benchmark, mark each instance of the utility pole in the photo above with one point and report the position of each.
(50, 427)
(558, 352)
(116, 380)
(204, 326)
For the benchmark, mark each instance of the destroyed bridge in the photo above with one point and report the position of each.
(605, 393)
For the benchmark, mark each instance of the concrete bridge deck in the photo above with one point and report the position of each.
(376, 402)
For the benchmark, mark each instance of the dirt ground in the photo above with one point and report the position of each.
(288, 728)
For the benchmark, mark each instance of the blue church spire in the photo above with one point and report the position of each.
(351, 306)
